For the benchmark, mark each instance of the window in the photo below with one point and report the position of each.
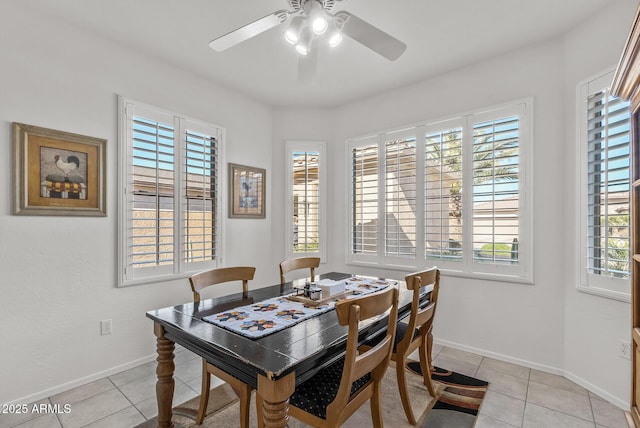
(449, 193)
(400, 196)
(496, 190)
(443, 193)
(306, 195)
(169, 212)
(604, 146)
(364, 195)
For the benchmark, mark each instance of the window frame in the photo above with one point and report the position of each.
(599, 285)
(292, 146)
(127, 276)
(523, 272)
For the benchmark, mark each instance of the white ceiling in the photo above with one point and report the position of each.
(440, 34)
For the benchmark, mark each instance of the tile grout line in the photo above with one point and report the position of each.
(475, 374)
(57, 415)
(593, 414)
(111, 414)
(526, 399)
(565, 413)
(128, 399)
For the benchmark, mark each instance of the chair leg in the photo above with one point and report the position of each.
(259, 410)
(402, 386)
(244, 394)
(204, 393)
(430, 349)
(376, 406)
(425, 363)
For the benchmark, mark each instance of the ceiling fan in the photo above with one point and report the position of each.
(310, 23)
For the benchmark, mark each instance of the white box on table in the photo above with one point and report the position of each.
(330, 287)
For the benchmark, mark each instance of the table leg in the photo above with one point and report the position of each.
(276, 395)
(165, 384)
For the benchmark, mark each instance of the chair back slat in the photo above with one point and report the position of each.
(368, 361)
(370, 305)
(299, 263)
(425, 314)
(211, 277)
(422, 279)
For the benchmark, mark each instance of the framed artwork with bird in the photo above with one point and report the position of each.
(247, 190)
(58, 173)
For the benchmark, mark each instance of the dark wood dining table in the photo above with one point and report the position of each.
(273, 364)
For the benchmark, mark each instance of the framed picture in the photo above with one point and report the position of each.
(247, 191)
(58, 173)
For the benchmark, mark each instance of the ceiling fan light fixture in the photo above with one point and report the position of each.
(319, 25)
(335, 35)
(302, 50)
(292, 34)
(335, 39)
(313, 9)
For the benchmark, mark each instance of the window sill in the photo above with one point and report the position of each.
(451, 273)
(153, 279)
(608, 294)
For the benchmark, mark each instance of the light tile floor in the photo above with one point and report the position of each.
(517, 397)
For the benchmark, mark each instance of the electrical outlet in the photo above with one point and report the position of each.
(625, 349)
(105, 327)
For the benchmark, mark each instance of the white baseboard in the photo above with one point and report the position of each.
(82, 381)
(501, 357)
(617, 401)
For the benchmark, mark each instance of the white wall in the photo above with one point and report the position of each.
(593, 325)
(548, 325)
(59, 273)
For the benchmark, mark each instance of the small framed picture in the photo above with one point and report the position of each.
(58, 173)
(247, 191)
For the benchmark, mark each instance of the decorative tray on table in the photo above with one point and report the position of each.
(323, 291)
(315, 302)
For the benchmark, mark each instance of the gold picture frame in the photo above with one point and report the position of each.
(247, 191)
(58, 173)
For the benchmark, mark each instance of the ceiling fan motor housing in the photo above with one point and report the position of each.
(327, 5)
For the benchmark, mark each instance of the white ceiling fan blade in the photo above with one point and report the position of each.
(308, 65)
(370, 36)
(248, 31)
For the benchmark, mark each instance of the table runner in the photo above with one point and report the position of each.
(277, 313)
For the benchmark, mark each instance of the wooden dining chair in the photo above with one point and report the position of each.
(299, 263)
(332, 395)
(198, 282)
(417, 333)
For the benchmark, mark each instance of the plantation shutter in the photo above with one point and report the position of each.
(496, 188)
(400, 197)
(306, 201)
(608, 181)
(150, 233)
(443, 194)
(364, 182)
(200, 196)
